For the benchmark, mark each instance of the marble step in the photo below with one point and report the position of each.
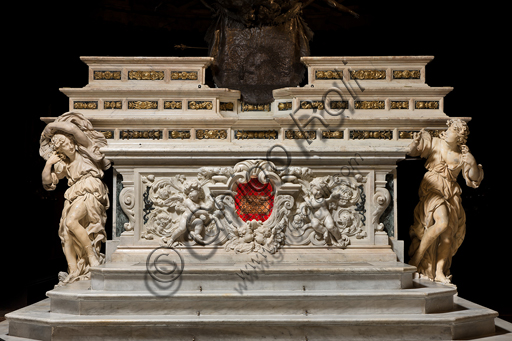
(425, 298)
(466, 321)
(254, 276)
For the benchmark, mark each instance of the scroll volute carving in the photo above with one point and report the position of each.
(381, 200)
(127, 202)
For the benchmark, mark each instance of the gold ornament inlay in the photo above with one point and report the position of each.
(183, 75)
(85, 105)
(332, 134)
(142, 105)
(146, 75)
(284, 106)
(200, 105)
(112, 105)
(367, 134)
(179, 134)
(427, 105)
(107, 75)
(246, 134)
(226, 106)
(406, 74)
(141, 134)
(399, 105)
(107, 133)
(339, 104)
(408, 134)
(298, 134)
(255, 107)
(370, 105)
(367, 74)
(211, 134)
(172, 105)
(312, 105)
(328, 74)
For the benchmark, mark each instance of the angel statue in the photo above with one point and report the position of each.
(70, 147)
(322, 221)
(439, 219)
(195, 212)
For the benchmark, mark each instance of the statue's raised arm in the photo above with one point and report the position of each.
(71, 148)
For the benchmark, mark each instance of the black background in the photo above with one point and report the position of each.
(45, 40)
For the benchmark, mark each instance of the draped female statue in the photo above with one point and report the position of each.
(70, 147)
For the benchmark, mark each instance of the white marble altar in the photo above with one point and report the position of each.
(325, 264)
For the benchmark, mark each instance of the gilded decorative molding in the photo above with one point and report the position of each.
(226, 106)
(297, 134)
(399, 105)
(284, 106)
(172, 105)
(332, 134)
(367, 134)
(255, 107)
(141, 134)
(142, 105)
(85, 105)
(427, 105)
(370, 104)
(328, 74)
(179, 134)
(109, 134)
(107, 75)
(200, 105)
(252, 134)
(406, 74)
(367, 74)
(408, 134)
(339, 104)
(183, 75)
(312, 105)
(211, 134)
(113, 105)
(146, 75)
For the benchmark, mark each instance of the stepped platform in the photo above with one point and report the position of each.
(432, 312)
(314, 301)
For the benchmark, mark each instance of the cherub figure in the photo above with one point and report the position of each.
(195, 215)
(439, 218)
(70, 147)
(322, 221)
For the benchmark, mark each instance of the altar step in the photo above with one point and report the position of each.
(465, 321)
(254, 276)
(421, 299)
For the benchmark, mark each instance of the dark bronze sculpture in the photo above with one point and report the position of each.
(257, 45)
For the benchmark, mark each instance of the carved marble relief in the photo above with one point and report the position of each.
(253, 206)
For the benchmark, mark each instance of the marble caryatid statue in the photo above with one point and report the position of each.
(439, 218)
(70, 147)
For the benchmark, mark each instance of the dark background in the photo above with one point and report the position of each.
(42, 49)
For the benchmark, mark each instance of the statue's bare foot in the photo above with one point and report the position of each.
(197, 237)
(441, 278)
